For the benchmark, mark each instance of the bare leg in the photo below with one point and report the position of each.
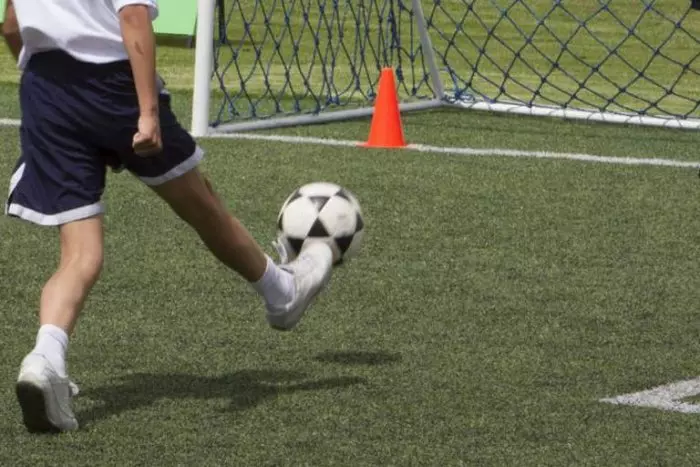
(43, 390)
(193, 199)
(80, 265)
(65, 292)
(287, 292)
(10, 30)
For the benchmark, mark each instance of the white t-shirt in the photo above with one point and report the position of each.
(86, 29)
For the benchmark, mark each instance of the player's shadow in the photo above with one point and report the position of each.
(358, 357)
(244, 389)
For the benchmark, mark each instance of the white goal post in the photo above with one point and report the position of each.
(265, 64)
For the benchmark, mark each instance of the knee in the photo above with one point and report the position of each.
(82, 253)
(206, 198)
(86, 265)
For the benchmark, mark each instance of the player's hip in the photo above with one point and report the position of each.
(95, 91)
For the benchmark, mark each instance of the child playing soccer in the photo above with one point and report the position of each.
(91, 99)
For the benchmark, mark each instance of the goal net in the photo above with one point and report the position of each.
(268, 63)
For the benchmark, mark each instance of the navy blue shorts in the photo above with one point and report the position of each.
(79, 119)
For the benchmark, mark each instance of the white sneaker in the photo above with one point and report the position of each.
(45, 397)
(312, 272)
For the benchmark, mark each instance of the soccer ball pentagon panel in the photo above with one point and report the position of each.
(324, 212)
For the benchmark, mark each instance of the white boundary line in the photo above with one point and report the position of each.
(454, 151)
(9, 122)
(668, 397)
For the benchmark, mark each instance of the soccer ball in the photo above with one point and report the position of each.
(320, 212)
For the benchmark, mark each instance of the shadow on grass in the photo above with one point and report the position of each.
(245, 389)
(358, 357)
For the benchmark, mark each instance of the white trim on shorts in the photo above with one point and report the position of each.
(94, 209)
(16, 177)
(181, 169)
(36, 217)
(61, 218)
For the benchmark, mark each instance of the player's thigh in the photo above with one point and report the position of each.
(191, 196)
(59, 177)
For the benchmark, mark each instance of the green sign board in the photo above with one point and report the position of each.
(175, 18)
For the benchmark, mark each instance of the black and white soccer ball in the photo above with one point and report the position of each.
(320, 212)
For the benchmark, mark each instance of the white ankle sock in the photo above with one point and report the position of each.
(276, 285)
(52, 343)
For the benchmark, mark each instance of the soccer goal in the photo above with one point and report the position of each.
(272, 63)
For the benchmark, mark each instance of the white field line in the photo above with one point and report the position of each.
(668, 397)
(455, 151)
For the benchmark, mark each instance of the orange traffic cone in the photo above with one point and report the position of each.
(385, 130)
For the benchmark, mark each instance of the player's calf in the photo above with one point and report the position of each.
(79, 269)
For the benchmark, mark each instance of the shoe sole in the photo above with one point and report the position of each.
(311, 301)
(33, 404)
